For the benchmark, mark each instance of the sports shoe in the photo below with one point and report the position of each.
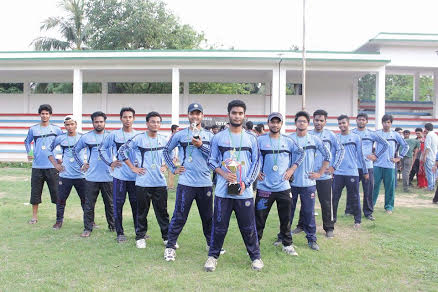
(169, 254)
(121, 238)
(389, 212)
(257, 264)
(356, 225)
(290, 250)
(86, 233)
(141, 243)
(57, 225)
(176, 246)
(297, 230)
(313, 245)
(210, 264)
(433, 202)
(329, 234)
(278, 242)
(371, 217)
(223, 251)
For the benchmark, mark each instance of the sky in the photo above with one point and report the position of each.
(334, 25)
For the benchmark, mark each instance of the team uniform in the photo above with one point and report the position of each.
(193, 184)
(305, 187)
(384, 167)
(42, 169)
(369, 140)
(347, 174)
(123, 177)
(276, 156)
(97, 178)
(324, 183)
(151, 186)
(242, 147)
(71, 176)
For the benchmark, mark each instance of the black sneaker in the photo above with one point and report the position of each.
(297, 230)
(121, 238)
(371, 217)
(313, 245)
(329, 234)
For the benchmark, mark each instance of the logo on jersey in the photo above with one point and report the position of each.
(352, 179)
(208, 194)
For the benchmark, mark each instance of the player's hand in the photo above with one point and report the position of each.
(433, 168)
(115, 164)
(229, 177)
(197, 142)
(372, 157)
(242, 188)
(29, 158)
(59, 167)
(289, 172)
(85, 167)
(163, 168)
(138, 170)
(180, 169)
(314, 175)
(395, 160)
(331, 170)
(366, 176)
(261, 176)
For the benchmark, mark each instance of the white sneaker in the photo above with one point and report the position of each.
(210, 264)
(169, 254)
(141, 243)
(223, 251)
(176, 245)
(290, 250)
(257, 264)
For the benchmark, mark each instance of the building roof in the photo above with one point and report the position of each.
(398, 39)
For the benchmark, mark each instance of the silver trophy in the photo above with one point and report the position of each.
(195, 131)
(232, 165)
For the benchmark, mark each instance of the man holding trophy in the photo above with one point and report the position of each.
(194, 181)
(234, 156)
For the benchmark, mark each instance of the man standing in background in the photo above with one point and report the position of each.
(429, 157)
(410, 157)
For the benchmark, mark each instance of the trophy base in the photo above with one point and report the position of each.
(234, 189)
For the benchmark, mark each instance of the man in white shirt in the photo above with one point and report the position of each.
(430, 152)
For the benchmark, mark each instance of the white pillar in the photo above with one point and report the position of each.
(77, 97)
(175, 96)
(26, 96)
(282, 97)
(186, 94)
(355, 97)
(435, 95)
(275, 90)
(380, 97)
(104, 96)
(268, 97)
(416, 92)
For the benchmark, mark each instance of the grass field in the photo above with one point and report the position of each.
(397, 252)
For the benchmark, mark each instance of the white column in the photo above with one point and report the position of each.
(77, 97)
(435, 95)
(275, 90)
(282, 97)
(186, 100)
(268, 97)
(380, 97)
(355, 97)
(175, 96)
(416, 92)
(26, 96)
(104, 97)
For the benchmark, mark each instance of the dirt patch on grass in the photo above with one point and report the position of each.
(13, 178)
(411, 200)
(2, 195)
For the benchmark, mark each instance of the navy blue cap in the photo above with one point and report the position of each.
(275, 115)
(195, 107)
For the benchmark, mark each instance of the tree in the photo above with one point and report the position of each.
(73, 28)
(138, 24)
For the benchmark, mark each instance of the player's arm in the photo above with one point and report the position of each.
(338, 153)
(131, 145)
(326, 155)
(168, 154)
(51, 155)
(27, 144)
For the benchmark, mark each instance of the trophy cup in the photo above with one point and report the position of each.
(195, 131)
(233, 166)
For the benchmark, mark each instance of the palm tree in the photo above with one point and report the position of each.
(73, 28)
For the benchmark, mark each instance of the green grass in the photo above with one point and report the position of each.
(396, 253)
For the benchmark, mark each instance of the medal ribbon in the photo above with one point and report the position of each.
(273, 149)
(154, 151)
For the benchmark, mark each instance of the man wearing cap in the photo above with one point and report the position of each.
(279, 158)
(194, 181)
(69, 171)
(123, 177)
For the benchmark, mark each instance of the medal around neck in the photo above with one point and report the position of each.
(232, 165)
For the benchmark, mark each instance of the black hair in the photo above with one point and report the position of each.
(363, 115)
(428, 126)
(127, 109)
(45, 107)
(174, 127)
(153, 114)
(222, 128)
(320, 112)
(406, 132)
(215, 127)
(302, 114)
(236, 103)
(398, 129)
(98, 114)
(387, 117)
(419, 130)
(249, 125)
(342, 117)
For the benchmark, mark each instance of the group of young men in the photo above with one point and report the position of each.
(301, 165)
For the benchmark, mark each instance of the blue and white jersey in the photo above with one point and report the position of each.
(148, 154)
(276, 156)
(394, 141)
(98, 171)
(195, 160)
(353, 157)
(114, 141)
(311, 145)
(242, 148)
(42, 137)
(67, 143)
(368, 139)
(336, 149)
